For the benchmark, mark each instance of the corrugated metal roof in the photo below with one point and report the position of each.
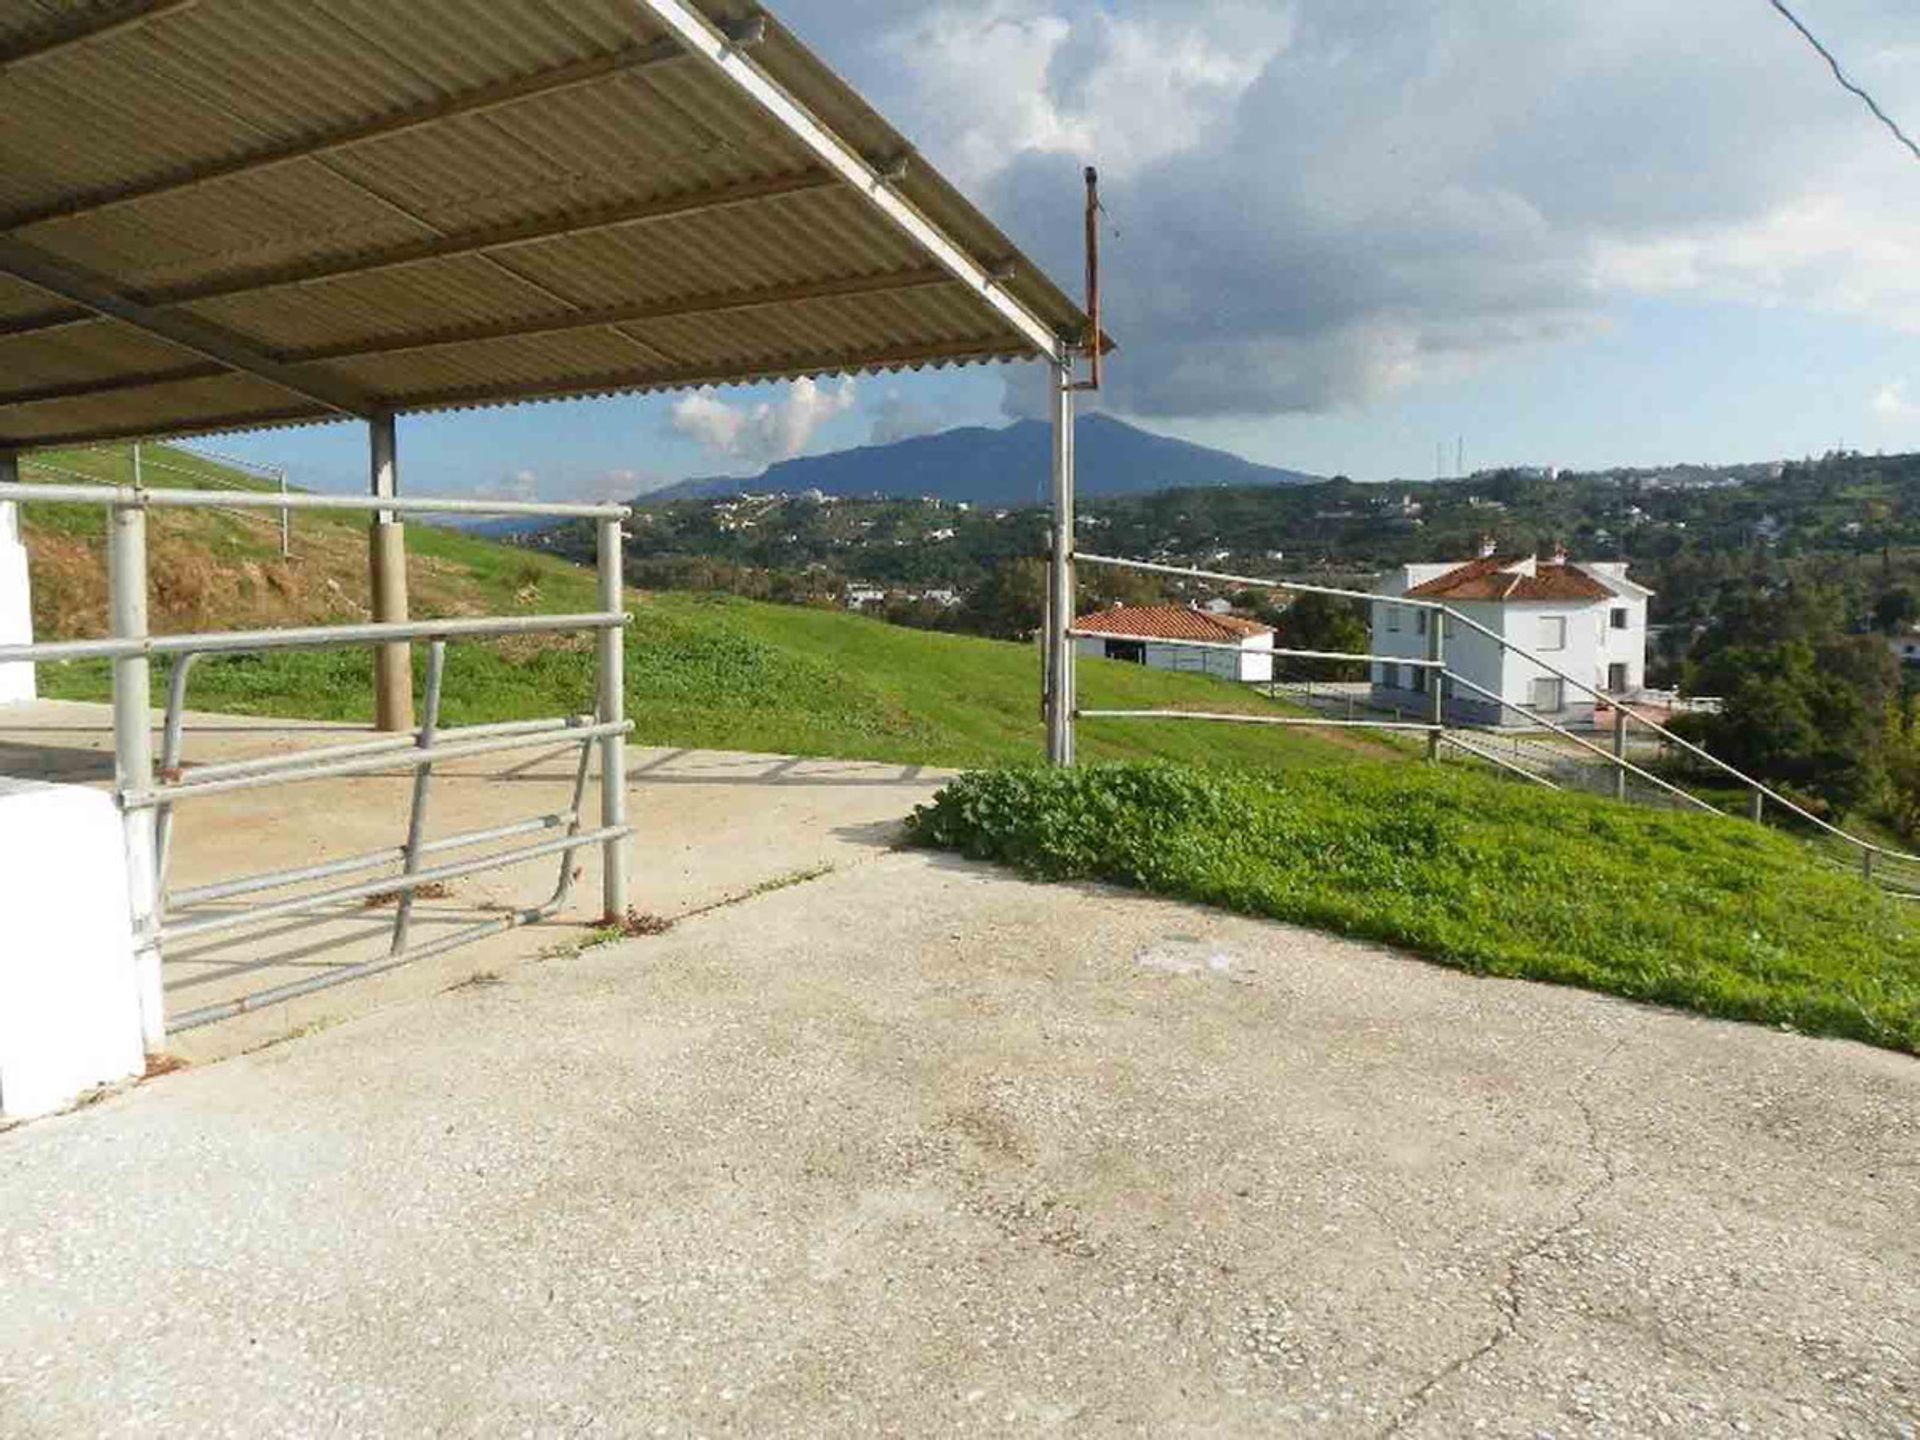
(444, 203)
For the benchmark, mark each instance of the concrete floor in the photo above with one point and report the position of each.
(918, 1148)
(712, 825)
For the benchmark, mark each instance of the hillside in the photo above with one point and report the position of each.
(702, 671)
(1008, 466)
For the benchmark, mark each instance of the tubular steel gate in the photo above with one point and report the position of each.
(148, 799)
(1873, 859)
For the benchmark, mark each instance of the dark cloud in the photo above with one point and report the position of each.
(1321, 202)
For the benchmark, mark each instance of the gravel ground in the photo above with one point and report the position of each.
(919, 1148)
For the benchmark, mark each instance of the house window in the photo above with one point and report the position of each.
(1420, 622)
(1419, 679)
(1619, 618)
(1553, 632)
(1393, 618)
(1616, 677)
(1390, 675)
(1547, 695)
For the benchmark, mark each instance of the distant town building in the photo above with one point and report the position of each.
(1225, 646)
(1584, 618)
(859, 597)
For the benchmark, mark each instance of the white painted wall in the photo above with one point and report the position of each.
(1629, 646)
(1252, 663)
(16, 606)
(1592, 643)
(69, 996)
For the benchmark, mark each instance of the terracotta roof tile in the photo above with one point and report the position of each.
(1495, 579)
(1171, 622)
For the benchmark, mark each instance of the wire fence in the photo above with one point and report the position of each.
(1634, 758)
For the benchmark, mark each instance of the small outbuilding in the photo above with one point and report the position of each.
(1177, 637)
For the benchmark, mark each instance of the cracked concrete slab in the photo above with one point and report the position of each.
(920, 1148)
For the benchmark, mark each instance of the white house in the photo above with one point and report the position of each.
(1142, 634)
(1584, 618)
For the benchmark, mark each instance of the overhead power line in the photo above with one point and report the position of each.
(1846, 83)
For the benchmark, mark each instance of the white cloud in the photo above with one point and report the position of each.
(1890, 401)
(763, 433)
(1321, 202)
(898, 418)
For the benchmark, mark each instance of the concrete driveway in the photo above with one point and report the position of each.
(918, 1148)
(713, 825)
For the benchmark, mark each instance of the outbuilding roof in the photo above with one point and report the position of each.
(1498, 578)
(1171, 622)
(219, 214)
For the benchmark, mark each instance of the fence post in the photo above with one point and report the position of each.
(1060, 586)
(1757, 806)
(613, 709)
(1436, 681)
(133, 755)
(387, 562)
(286, 520)
(1619, 751)
(1866, 863)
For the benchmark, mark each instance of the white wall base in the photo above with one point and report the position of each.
(69, 996)
(16, 607)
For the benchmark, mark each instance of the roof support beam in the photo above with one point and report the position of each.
(718, 303)
(726, 56)
(45, 273)
(453, 246)
(571, 76)
(97, 27)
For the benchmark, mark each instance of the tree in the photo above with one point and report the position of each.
(1327, 623)
(1896, 610)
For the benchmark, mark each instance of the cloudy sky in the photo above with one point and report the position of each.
(1348, 232)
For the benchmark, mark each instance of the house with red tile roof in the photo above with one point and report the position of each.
(1584, 619)
(1179, 637)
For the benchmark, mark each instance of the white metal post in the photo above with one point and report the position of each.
(387, 564)
(286, 518)
(1061, 608)
(133, 753)
(1437, 680)
(1619, 750)
(613, 709)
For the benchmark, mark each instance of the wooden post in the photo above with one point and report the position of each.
(387, 560)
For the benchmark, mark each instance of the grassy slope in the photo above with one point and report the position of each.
(1689, 910)
(702, 671)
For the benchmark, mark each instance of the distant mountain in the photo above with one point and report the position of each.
(1011, 467)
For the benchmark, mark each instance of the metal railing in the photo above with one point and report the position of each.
(140, 462)
(148, 796)
(1444, 733)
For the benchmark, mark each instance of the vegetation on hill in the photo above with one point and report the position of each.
(702, 670)
(1687, 910)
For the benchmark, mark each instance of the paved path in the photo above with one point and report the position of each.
(712, 825)
(921, 1149)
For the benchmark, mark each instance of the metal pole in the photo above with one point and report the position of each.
(1619, 752)
(613, 709)
(387, 554)
(133, 753)
(422, 786)
(1060, 584)
(1437, 682)
(1757, 806)
(10, 534)
(286, 520)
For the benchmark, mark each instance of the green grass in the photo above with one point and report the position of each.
(721, 673)
(702, 671)
(1686, 910)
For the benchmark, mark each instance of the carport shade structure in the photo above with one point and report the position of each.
(232, 214)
